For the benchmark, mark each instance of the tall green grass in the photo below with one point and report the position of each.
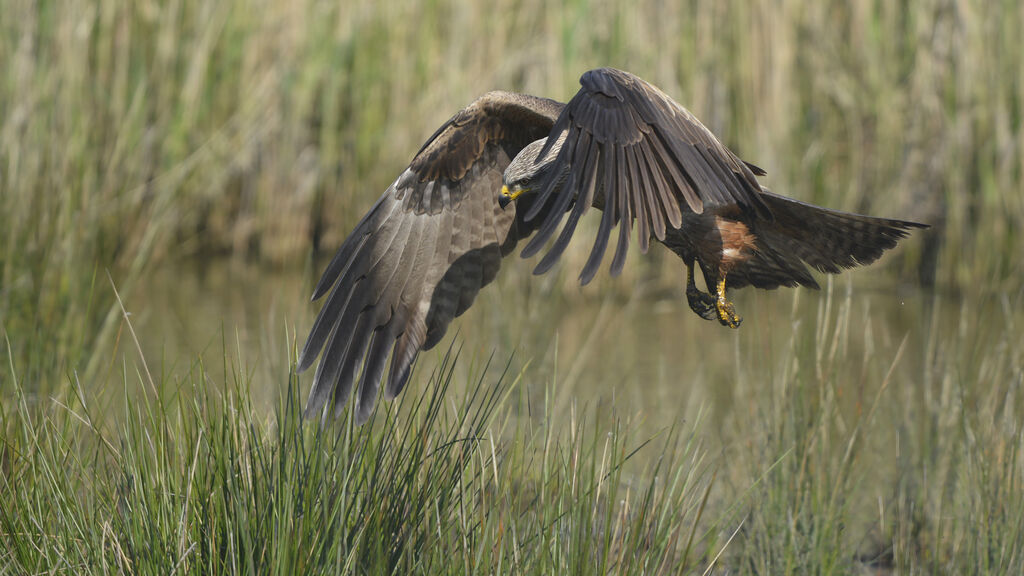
(254, 127)
(840, 455)
(191, 478)
(881, 453)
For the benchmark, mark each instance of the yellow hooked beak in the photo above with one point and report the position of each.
(511, 195)
(507, 196)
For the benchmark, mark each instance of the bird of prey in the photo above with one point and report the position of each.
(509, 166)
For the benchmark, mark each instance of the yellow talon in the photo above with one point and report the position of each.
(727, 315)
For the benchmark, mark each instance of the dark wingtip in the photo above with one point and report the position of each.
(322, 287)
(310, 412)
(757, 170)
(306, 358)
(586, 276)
(315, 406)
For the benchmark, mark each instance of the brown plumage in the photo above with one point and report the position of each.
(418, 258)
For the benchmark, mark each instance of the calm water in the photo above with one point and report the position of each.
(626, 341)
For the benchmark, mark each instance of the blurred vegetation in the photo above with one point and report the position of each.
(138, 131)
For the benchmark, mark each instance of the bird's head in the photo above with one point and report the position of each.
(527, 174)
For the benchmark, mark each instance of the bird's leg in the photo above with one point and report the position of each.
(700, 302)
(727, 315)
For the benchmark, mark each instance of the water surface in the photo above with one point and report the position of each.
(628, 342)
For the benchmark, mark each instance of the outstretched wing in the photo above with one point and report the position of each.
(637, 154)
(418, 258)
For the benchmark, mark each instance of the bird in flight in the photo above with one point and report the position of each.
(513, 167)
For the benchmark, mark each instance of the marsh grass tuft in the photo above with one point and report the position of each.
(191, 478)
(853, 460)
(843, 457)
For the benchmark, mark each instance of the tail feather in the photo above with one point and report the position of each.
(828, 240)
(772, 265)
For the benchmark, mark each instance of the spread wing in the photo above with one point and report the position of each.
(637, 154)
(418, 258)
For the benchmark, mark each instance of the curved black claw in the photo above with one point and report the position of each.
(702, 303)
